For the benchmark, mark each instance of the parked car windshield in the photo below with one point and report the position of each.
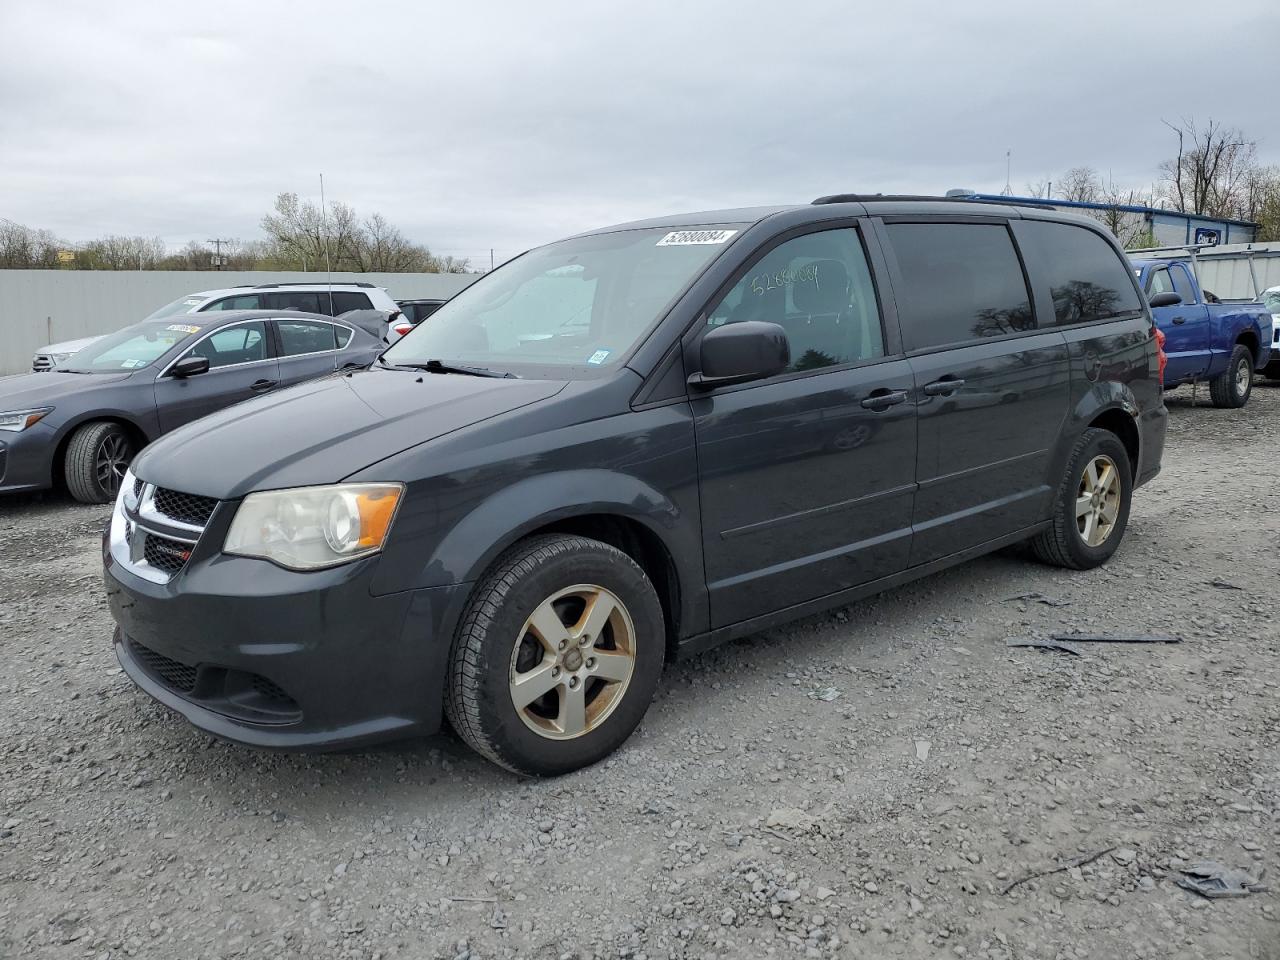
(1271, 299)
(581, 303)
(181, 305)
(131, 348)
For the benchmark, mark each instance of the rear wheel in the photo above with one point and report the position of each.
(1231, 388)
(558, 656)
(96, 460)
(1091, 509)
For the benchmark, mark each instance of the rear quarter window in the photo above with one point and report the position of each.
(1087, 279)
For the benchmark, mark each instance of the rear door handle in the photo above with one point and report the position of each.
(260, 385)
(943, 387)
(1179, 319)
(884, 398)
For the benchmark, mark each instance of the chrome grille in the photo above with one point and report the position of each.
(154, 530)
(41, 363)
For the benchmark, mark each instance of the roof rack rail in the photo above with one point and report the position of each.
(307, 283)
(873, 197)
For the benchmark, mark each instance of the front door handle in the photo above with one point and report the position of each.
(884, 398)
(259, 386)
(1179, 319)
(943, 387)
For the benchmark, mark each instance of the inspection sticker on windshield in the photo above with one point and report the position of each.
(599, 357)
(684, 238)
(183, 328)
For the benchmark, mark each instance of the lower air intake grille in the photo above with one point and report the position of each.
(176, 675)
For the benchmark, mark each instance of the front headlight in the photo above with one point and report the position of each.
(309, 528)
(15, 421)
(60, 357)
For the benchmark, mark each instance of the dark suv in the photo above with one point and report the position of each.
(630, 446)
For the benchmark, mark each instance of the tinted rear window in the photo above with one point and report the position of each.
(344, 300)
(1087, 279)
(961, 281)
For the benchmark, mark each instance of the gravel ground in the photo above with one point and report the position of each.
(860, 784)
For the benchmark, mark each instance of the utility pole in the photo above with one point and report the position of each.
(218, 260)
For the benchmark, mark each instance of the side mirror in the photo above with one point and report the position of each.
(738, 352)
(1165, 300)
(190, 367)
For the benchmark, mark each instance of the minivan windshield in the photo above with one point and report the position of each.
(131, 348)
(580, 303)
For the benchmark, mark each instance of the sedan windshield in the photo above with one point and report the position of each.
(131, 348)
(580, 303)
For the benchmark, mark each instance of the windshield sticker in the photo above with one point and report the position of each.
(684, 238)
(183, 328)
(599, 357)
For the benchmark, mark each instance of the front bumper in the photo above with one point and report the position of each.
(26, 458)
(263, 656)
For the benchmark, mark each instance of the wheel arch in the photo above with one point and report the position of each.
(614, 508)
(1248, 338)
(57, 465)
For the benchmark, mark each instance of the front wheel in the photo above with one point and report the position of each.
(1232, 387)
(96, 460)
(1091, 509)
(558, 656)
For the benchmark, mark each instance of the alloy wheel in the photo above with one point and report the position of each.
(111, 462)
(1098, 500)
(1244, 374)
(572, 662)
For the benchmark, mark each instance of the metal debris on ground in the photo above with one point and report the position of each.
(1068, 865)
(1115, 638)
(1224, 584)
(1047, 644)
(1038, 598)
(1211, 879)
(826, 694)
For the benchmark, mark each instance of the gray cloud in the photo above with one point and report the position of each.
(508, 124)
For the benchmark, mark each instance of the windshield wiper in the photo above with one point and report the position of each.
(68, 370)
(439, 366)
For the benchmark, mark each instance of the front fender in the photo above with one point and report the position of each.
(515, 511)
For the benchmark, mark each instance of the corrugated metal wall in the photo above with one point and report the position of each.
(38, 307)
(1229, 278)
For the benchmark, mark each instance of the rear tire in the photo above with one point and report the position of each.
(96, 460)
(1091, 509)
(1232, 387)
(558, 656)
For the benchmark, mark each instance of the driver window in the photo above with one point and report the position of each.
(242, 343)
(818, 288)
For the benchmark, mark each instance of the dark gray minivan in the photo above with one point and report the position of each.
(629, 446)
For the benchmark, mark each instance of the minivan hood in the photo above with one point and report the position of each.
(323, 431)
(29, 390)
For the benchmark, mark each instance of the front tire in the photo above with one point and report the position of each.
(1091, 509)
(1232, 387)
(558, 656)
(96, 460)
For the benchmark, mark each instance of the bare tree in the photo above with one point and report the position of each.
(24, 248)
(1081, 184)
(305, 235)
(1210, 173)
(121, 253)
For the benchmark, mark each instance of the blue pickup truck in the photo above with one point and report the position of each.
(1221, 343)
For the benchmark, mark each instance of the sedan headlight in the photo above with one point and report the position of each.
(15, 421)
(310, 528)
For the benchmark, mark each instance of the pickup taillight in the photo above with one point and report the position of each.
(402, 328)
(1161, 357)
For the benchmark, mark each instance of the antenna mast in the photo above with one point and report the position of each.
(324, 221)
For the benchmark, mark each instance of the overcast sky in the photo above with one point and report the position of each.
(478, 125)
